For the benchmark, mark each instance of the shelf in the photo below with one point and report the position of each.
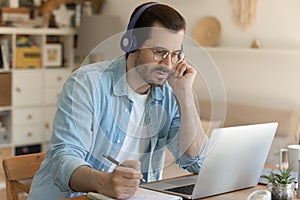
(29, 94)
(5, 108)
(37, 31)
(2, 146)
(5, 71)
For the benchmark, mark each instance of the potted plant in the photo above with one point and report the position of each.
(281, 185)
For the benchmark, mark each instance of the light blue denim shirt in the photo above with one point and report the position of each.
(91, 119)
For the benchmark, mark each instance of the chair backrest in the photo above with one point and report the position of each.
(18, 169)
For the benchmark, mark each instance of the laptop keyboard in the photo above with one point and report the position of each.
(187, 189)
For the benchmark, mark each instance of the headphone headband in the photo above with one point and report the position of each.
(128, 41)
(138, 15)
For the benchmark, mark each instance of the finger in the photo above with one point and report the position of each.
(126, 192)
(128, 172)
(131, 182)
(135, 164)
(190, 68)
(178, 71)
(130, 190)
(125, 187)
(174, 74)
(123, 182)
(181, 70)
(132, 175)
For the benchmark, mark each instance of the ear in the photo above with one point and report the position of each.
(130, 60)
(134, 53)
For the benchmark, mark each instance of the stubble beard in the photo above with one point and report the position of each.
(143, 72)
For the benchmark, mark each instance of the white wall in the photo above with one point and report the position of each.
(277, 22)
(265, 77)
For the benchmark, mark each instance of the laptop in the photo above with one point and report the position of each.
(234, 160)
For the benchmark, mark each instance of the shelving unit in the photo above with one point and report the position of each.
(29, 94)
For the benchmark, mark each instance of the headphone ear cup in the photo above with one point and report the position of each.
(128, 42)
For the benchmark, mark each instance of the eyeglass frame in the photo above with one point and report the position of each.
(165, 53)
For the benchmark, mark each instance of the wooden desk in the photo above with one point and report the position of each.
(236, 195)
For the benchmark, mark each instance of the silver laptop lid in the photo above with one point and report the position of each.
(235, 159)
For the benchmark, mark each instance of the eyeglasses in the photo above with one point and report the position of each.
(161, 54)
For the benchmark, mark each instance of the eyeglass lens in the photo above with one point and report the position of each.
(176, 56)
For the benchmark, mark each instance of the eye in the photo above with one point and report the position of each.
(177, 53)
(160, 51)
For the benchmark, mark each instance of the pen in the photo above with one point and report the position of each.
(111, 159)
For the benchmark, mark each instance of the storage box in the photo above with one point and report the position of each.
(5, 89)
(28, 57)
(11, 15)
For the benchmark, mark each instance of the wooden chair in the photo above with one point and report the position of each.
(18, 171)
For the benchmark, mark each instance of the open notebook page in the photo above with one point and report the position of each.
(141, 194)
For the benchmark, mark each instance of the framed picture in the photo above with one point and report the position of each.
(52, 56)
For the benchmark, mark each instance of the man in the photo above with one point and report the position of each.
(130, 109)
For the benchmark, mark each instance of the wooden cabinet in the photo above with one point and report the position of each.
(30, 86)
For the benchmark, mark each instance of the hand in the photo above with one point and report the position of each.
(182, 77)
(125, 179)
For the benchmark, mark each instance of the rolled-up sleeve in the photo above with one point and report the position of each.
(72, 132)
(192, 164)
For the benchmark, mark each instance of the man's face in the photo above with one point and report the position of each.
(153, 71)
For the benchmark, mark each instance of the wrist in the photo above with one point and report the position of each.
(101, 182)
(184, 97)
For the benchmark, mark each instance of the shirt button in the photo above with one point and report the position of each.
(126, 110)
(118, 141)
(102, 169)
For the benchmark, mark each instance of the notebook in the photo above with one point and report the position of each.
(234, 160)
(141, 194)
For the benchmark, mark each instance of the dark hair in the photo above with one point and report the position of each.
(163, 14)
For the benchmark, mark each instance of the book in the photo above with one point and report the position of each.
(5, 64)
(13, 3)
(141, 194)
(5, 56)
(1, 60)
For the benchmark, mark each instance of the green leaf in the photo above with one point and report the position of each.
(283, 178)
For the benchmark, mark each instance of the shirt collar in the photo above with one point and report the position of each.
(119, 78)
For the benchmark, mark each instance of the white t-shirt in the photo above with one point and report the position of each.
(137, 139)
